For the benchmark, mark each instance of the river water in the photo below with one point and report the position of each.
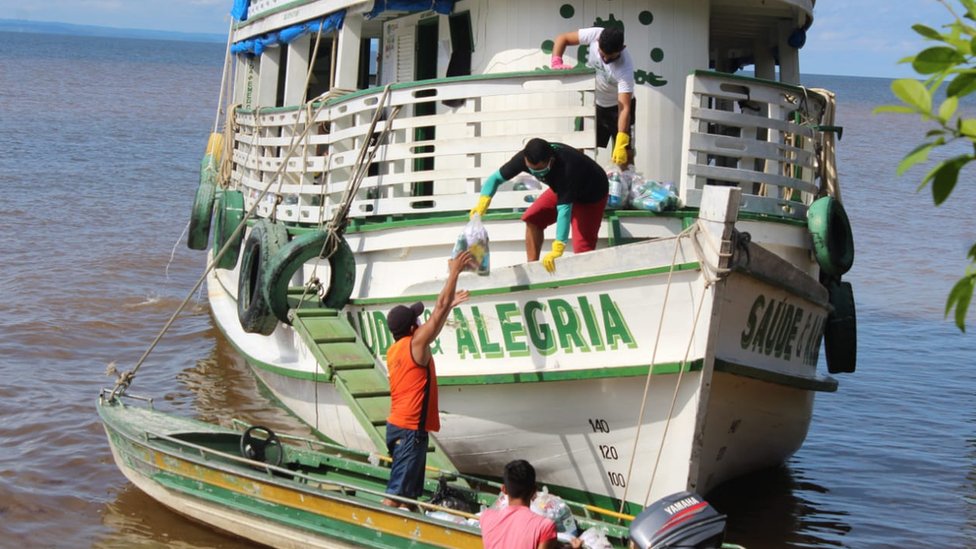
(104, 138)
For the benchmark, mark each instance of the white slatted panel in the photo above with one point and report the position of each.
(759, 136)
(499, 115)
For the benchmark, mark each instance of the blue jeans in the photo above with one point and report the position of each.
(408, 448)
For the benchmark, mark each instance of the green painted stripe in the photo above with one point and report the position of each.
(820, 383)
(571, 375)
(692, 266)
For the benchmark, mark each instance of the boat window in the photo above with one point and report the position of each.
(282, 75)
(462, 45)
(369, 52)
(319, 82)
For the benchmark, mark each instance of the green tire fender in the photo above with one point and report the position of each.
(290, 258)
(840, 331)
(833, 240)
(202, 209)
(230, 213)
(261, 244)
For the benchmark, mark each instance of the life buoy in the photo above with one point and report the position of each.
(840, 332)
(833, 241)
(230, 212)
(291, 257)
(253, 309)
(203, 202)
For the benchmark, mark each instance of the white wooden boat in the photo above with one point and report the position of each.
(681, 353)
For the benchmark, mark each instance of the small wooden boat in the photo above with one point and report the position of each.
(298, 492)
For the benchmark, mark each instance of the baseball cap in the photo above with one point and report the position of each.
(400, 318)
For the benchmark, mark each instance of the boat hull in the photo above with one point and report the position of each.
(626, 378)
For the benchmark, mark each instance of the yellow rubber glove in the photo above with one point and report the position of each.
(482, 207)
(619, 156)
(549, 261)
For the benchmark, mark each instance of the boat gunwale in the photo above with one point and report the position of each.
(264, 472)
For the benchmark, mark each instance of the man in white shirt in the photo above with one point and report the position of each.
(614, 83)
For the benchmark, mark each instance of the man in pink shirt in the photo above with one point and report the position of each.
(516, 526)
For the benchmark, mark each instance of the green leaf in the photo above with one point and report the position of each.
(959, 298)
(944, 177)
(967, 127)
(948, 108)
(962, 85)
(913, 94)
(900, 109)
(927, 32)
(937, 59)
(920, 154)
(933, 133)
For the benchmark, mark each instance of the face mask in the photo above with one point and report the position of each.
(541, 173)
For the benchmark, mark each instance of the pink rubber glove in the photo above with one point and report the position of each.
(557, 63)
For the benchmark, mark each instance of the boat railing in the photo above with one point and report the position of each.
(449, 135)
(764, 137)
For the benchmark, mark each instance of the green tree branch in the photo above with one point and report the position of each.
(952, 61)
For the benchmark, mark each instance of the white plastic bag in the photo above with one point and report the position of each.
(595, 538)
(555, 509)
(474, 238)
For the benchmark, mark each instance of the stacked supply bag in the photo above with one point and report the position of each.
(629, 190)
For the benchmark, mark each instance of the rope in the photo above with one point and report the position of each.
(647, 381)
(125, 379)
(674, 396)
(223, 74)
(712, 274)
(338, 222)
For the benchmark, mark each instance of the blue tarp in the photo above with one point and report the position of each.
(440, 6)
(239, 11)
(258, 44)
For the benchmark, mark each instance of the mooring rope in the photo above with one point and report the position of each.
(124, 379)
(712, 274)
(647, 381)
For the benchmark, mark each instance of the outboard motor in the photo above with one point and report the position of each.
(682, 520)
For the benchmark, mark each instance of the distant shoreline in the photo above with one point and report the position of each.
(43, 27)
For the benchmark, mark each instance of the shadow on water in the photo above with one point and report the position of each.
(223, 387)
(134, 519)
(773, 509)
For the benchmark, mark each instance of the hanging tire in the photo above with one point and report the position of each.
(840, 332)
(253, 309)
(230, 212)
(202, 210)
(833, 240)
(290, 258)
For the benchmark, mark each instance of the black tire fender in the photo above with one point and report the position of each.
(230, 213)
(261, 244)
(290, 258)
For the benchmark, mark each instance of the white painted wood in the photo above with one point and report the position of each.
(347, 56)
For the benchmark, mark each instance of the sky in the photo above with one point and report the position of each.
(848, 37)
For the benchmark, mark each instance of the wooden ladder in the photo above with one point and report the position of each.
(353, 369)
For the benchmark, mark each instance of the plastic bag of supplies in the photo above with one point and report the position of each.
(474, 238)
(654, 196)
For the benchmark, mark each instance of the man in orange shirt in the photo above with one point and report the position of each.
(413, 384)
